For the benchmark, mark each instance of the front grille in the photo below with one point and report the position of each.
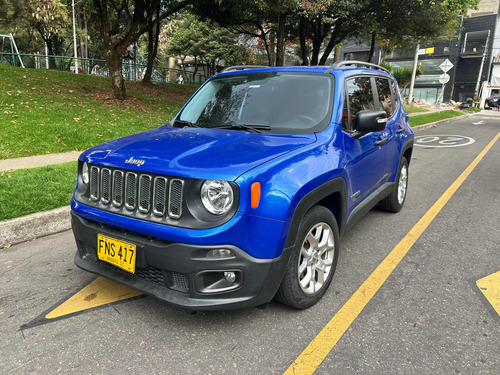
(105, 185)
(134, 192)
(130, 190)
(94, 183)
(117, 188)
(175, 199)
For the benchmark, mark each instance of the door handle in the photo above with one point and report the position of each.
(401, 130)
(381, 142)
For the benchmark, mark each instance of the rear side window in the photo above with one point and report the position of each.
(395, 95)
(359, 97)
(385, 95)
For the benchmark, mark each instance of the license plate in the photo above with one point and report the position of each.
(119, 253)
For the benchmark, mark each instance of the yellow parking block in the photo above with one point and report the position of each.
(99, 292)
(490, 287)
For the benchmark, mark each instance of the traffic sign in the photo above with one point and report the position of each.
(446, 65)
(444, 78)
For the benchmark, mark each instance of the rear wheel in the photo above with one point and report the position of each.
(395, 201)
(313, 260)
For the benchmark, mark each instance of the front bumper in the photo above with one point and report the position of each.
(182, 274)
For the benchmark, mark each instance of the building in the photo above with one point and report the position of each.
(471, 53)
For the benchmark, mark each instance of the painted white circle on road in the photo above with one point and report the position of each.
(443, 140)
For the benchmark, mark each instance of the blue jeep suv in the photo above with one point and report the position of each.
(245, 194)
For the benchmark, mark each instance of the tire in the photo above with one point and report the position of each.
(317, 261)
(396, 200)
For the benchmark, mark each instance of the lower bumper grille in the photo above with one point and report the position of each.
(170, 279)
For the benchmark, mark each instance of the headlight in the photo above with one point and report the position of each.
(217, 196)
(85, 173)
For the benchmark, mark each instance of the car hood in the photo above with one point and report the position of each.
(195, 152)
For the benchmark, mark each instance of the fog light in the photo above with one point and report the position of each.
(220, 253)
(230, 277)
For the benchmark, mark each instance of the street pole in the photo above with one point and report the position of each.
(74, 37)
(413, 74)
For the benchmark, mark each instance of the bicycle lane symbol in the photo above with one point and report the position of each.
(443, 141)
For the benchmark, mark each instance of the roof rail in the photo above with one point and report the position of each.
(243, 67)
(355, 63)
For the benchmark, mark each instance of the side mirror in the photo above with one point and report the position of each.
(370, 121)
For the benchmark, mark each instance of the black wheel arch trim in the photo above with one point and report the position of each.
(406, 147)
(336, 185)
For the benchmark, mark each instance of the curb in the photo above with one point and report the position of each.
(36, 225)
(45, 223)
(440, 122)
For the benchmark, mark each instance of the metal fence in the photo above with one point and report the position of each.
(132, 71)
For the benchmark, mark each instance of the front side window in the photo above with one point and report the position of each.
(275, 102)
(359, 97)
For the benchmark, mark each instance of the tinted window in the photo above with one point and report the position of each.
(287, 102)
(385, 96)
(360, 96)
(395, 95)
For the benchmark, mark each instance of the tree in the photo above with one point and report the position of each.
(403, 74)
(49, 18)
(205, 41)
(264, 20)
(120, 26)
(404, 23)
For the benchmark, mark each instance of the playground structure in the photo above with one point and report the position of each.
(13, 47)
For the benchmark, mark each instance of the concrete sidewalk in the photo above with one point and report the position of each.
(38, 160)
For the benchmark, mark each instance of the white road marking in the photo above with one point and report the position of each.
(443, 140)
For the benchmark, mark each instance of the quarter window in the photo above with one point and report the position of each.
(395, 95)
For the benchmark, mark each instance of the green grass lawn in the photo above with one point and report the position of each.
(413, 109)
(432, 117)
(472, 109)
(45, 111)
(26, 191)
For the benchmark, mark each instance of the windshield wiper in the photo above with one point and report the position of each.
(185, 124)
(250, 128)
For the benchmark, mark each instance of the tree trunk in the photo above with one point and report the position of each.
(50, 50)
(317, 40)
(302, 37)
(153, 41)
(266, 46)
(272, 50)
(372, 47)
(117, 80)
(334, 40)
(280, 40)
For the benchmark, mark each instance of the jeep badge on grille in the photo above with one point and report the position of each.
(137, 162)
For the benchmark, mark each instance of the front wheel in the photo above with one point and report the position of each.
(395, 201)
(313, 260)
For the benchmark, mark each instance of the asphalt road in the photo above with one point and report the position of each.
(427, 318)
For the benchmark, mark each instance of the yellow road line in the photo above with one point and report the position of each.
(323, 343)
(99, 292)
(490, 287)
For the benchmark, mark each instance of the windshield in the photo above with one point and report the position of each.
(272, 102)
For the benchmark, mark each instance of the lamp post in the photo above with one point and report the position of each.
(74, 37)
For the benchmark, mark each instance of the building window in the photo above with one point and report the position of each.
(475, 42)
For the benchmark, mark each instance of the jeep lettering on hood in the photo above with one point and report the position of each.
(137, 162)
